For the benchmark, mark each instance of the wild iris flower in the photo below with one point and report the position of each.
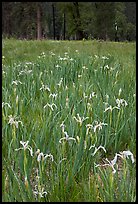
(111, 108)
(51, 106)
(53, 95)
(12, 121)
(96, 149)
(40, 192)
(3, 104)
(44, 87)
(16, 82)
(126, 154)
(111, 163)
(67, 138)
(121, 102)
(98, 125)
(25, 146)
(79, 119)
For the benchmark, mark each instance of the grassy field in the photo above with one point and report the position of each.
(68, 121)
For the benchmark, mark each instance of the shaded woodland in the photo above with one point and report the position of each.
(115, 21)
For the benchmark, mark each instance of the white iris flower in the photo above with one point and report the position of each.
(25, 146)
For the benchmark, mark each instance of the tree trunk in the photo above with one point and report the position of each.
(39, 29)
(64, 26)
(54, 32)
(79, 32)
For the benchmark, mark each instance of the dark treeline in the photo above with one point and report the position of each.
(114, 21)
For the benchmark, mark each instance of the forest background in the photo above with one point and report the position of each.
(114, 21)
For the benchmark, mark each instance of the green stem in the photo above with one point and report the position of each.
(14, 132)
(25, 172)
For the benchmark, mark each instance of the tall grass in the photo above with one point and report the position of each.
(67, 99)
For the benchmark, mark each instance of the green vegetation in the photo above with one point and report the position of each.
(69, 20)
(68, 121)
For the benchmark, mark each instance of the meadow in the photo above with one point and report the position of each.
(68, 121)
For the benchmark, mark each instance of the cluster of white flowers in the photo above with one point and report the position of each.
(54, 95)
(92, 94)
(25, 147)
(79, 119)
(96, 149)
(60, 82)
(13, 121)
(84, 67)
(29, 63)
(42, 156)
(65, 58)
(16, 82)
(39, 192)
(111, 108)
(24, 72)
(105, 58)
(42, 55)
(66, 138)
(44, 88)
(39, 189)
(98, 126)
(123, 155)
(121, 102)
(106, 67)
